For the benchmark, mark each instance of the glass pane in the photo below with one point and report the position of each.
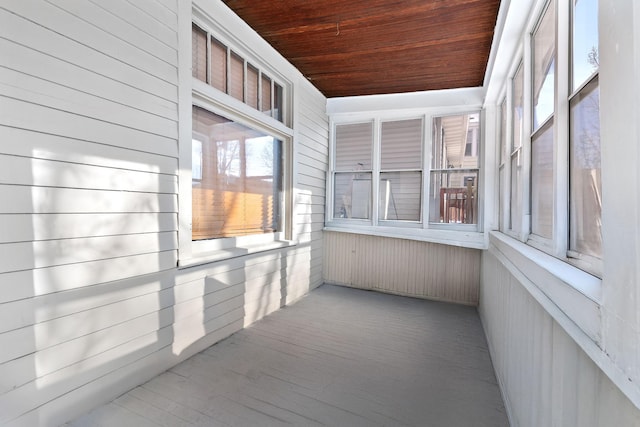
(401, 145)
(542, 183)
(198, 53)
(218, 65)
(240, 178)
(266, 95)
(456, 141)
(252, 86)
(515, 222)
(352, 195)
(544, 52)
(584, 40)
(400, 196)
(277, 102)
(236, 79)
(354, 143)
(518, 107)
(586, 185)
(453, 197)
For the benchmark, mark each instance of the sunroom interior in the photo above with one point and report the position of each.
(183, 178)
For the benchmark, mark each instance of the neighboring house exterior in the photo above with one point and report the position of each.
(101, 162)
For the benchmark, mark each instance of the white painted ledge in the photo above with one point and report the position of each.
(460, 238)
(235, 252)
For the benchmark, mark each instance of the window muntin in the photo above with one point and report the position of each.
(238, 188)
(454, 174)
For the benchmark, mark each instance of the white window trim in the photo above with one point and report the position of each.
(463, 235)
(192, 91)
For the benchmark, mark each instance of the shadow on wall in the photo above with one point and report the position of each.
(91, 281)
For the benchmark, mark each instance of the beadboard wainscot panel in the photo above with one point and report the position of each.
(403, 267)
(545, 376)
(91, 301)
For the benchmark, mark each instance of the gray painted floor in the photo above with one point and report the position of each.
(339, 357)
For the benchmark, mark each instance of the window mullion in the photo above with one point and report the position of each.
(427, 135)
(525, 150)
(561, 130)
(375, 169)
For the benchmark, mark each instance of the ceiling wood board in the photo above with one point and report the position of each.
(366, 47)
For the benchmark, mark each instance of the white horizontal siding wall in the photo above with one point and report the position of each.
(403, 267)
(91, 301)
(545, 377)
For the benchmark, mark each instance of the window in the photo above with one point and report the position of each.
(454, 169)
(237, 178)
(219, 66)
(585, 235)
(235, 190)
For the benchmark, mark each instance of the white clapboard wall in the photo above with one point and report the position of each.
(91, 301)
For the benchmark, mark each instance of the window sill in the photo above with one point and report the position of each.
(576, 293)
(461, 238)
(235, 252)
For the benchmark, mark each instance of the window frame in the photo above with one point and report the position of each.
(194, 92)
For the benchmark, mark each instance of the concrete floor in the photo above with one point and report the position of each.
(339, 357)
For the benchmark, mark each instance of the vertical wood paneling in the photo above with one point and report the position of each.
(545, 377)
(404, 267)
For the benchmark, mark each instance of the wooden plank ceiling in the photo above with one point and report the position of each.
(365, 47)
